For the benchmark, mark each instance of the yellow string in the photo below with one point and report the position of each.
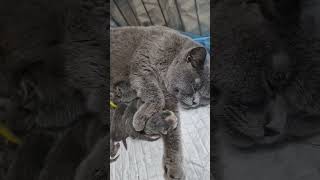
(113, 105)
(8, 135)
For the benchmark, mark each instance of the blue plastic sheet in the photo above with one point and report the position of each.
(204, 40)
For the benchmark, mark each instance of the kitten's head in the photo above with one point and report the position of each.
(124, 93)
(188, 76)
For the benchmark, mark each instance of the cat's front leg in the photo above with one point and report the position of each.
(151, 95)
(173, 157)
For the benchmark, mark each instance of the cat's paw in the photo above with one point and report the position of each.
(173, 171)
(161, 123)
(139, 121)
(148, 137)
(170, 121)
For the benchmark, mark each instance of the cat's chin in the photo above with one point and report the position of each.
(187, 107)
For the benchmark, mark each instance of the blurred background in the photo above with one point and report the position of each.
(190, 17)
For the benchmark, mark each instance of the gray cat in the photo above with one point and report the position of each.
(163, 67)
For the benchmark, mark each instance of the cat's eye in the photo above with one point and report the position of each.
(176, 90)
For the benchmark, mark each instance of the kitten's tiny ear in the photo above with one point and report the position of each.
(197, 57)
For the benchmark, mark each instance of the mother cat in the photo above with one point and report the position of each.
(159, 62)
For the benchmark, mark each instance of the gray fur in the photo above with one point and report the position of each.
(155, 59)
(163, 67)
(121, 121)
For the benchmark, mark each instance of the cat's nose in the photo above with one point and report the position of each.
(196, 99)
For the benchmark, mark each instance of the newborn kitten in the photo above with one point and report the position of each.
(122, 117)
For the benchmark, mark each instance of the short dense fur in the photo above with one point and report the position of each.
(163, 68)
(266, 69)
(266, 77)
(121, 121)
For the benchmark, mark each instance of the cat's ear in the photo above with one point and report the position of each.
(197, 56)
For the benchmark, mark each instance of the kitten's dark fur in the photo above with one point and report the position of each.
(121, 120)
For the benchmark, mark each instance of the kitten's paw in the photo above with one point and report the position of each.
(114, 151)
(173, 171)
(161, 123)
